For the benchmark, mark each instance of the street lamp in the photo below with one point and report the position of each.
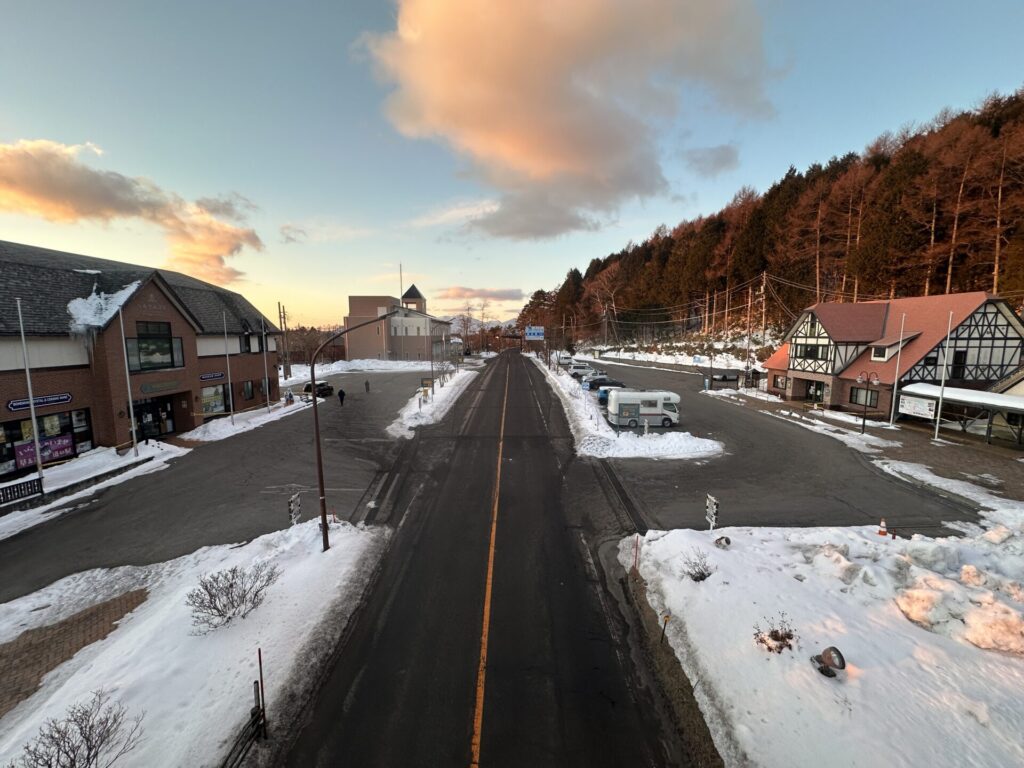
(316, 417)
(869, 378)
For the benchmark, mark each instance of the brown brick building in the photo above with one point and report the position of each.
(412, 335)
(180, 337)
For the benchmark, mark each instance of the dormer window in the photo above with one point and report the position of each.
(879, 353)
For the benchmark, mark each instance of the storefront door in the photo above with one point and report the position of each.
(154, 416)
(815, 391)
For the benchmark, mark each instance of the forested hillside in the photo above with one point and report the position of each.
(929, 209)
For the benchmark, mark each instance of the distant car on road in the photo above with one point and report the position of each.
(323, 389)
(727, 376)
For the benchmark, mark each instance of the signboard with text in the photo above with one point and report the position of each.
(917, 406)
(534, 333)
(41, 401)
(50, 448)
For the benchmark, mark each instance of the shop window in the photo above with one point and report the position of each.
(861, 396)
(247, 391)
(154, 348)
(214, 399)
(780, 382)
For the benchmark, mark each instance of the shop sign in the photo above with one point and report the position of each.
(917, 406)
(51, 448)
(211, 376)
(158, 386)
(41, 401)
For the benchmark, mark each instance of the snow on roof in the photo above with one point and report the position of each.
(96, 309)
(991, 400)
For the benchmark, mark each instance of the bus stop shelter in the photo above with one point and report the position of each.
(999, 410)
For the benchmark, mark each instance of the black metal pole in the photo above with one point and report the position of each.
(864, 418)
(316, 420)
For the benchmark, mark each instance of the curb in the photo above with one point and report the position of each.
(67, 490)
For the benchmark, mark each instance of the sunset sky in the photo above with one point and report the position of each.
(300, 151)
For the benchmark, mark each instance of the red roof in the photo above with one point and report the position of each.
(927, 316)
(779, 361)
(851, 323)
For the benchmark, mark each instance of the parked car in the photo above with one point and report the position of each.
(726, 376)
(631, 408)
(600, 380)
(578, 370)
(602, 393)
(564, 358)
(323, 389)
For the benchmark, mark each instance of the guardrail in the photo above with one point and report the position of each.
(33, 487)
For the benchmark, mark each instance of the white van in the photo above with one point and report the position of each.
(578, 370)
(631, 408)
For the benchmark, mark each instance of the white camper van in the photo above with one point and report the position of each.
(631, 408)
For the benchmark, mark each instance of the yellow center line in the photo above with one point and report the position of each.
(481, 674)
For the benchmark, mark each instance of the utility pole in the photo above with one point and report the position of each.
(764, 306)
(707, 307)
(282, 315)
(750, 304)
(714, 311)
(604, 321)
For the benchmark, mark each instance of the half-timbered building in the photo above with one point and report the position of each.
(852, 355)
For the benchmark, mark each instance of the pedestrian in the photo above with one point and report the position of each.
(341, 396)
(367, 385)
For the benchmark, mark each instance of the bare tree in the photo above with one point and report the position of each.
(92, 735)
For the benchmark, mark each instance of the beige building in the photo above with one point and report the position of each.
(411, 335)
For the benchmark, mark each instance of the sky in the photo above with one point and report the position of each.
(300, 152)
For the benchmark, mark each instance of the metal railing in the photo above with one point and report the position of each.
(23, 490)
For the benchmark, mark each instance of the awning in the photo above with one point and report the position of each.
(992, 401)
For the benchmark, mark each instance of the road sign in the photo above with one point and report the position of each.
(534, 333)
(712, 508)
(294, 508)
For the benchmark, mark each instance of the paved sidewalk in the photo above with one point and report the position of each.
(27, 659)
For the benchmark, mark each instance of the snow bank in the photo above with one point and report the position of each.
(221, 427)
(416, 413)
(195, 690)
(96, 309)
(595, 437)
(864, 443)
(300, 372)
(757, 394)
(721, 360)
(932, 631)
(91, 464)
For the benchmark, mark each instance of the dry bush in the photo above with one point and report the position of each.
(696, 565)
(92, 735)
(778, 636)
(229, 594)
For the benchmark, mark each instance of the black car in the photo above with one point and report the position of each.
(602, 381)
(323, 389)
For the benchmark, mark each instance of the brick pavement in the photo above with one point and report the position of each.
(29, 657)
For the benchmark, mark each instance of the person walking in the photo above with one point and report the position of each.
(367, 385)
(341, 396)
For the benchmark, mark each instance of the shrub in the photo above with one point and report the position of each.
(92, 735)
(233, 593)
(697, 566)
(777, 637)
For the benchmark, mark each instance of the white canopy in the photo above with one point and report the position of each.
(992, 401)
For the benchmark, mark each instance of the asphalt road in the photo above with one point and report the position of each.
(404, 689)
(773, 472)
(222, 492)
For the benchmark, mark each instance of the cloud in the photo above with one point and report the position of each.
(46, 179)
(292, 234)
(558, 107)
(494, 294)
(232, 206)
(455, 213)
(711, 161)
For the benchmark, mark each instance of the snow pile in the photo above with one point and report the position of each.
(96, 309)
(745, 391)
(417, 412)
(91, 464)
(864, 443)
(195, 690)
(595, 437)
(848, 417)
(221, 427)
(720, 360)
(932, 631)
(300, 371)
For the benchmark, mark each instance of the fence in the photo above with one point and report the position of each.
(255, 727)
(23, 490)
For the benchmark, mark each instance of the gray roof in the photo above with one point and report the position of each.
(413, 293)
(47, 280)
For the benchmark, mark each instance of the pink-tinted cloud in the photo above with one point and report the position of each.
(495, 294)
(557, 105)
(47, 179)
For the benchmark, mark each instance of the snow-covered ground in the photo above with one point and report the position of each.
(594, 436)
(757, 394)
(300, 372)
(418, 412)
(721, 360)
(195, 690)
(220, 428)
(932, 631)
(865, 443)
(95, 462)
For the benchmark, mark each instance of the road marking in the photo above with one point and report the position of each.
(481, 673)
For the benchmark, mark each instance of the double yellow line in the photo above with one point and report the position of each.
(481, 673)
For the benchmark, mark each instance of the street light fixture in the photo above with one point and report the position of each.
(869, 378)
(316, 417)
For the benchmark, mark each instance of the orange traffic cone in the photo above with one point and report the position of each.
(882, 530)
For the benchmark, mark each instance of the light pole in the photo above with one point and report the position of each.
(868, 378)
(316, 418)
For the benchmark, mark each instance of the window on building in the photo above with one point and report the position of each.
(247, 391)
(862, 395)
(154, 348)
(878, 353)
(808, 352)
(931, 360)
(780, 382)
